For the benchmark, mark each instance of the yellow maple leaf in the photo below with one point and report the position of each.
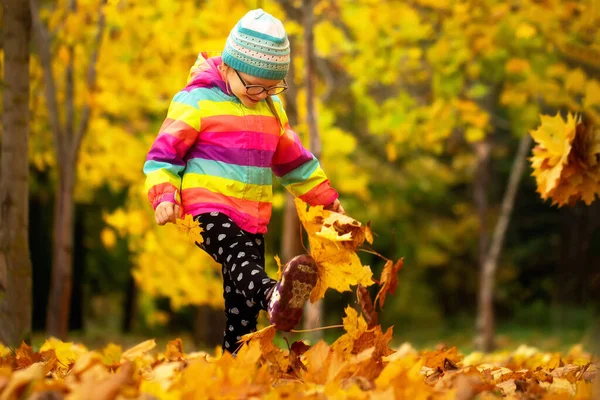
(191, 228)
(138, 350)
(174, 350)
(111, 354)
(330, 233)
(66, 352)
(333, 240)
(269, 350)
(566, 160)
(354, 325)
(265, 337)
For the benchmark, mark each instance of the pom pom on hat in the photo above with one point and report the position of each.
(258, 46)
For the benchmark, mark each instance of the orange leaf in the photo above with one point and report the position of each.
(355, 325)
(265, 337)
(389, 280)
(377, 339)
(364, 299)
(26, 356)
(437, 359)
(174, 350)
(369, 233)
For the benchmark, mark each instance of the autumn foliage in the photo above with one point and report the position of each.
(360, 364)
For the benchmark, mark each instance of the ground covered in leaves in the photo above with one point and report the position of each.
(359, 365)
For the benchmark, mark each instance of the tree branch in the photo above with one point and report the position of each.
(292, 12)
(328, 76)
(70, 87)
(43, 43)
(91, 83)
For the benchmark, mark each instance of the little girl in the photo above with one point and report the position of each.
(225, 135)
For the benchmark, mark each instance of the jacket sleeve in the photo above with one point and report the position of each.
(298, 170)
(165, 161)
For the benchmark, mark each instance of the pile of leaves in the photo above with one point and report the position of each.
(358, 365)
(566, 160)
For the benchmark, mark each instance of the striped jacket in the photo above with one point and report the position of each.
(214, 154)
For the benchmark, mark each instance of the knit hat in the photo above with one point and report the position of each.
(258, 46)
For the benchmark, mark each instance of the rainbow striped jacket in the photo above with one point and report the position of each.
(214, 154)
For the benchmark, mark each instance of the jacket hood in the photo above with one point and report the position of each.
(205, 73)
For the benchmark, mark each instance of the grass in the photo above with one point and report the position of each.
(555, 330)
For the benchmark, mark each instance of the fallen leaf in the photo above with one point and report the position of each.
(111, 355)
(22, 378)
(264, 336)
(66, 352)
(389, 280)
(437, 359)
(364, 299)
(174, 350)
(138, 350)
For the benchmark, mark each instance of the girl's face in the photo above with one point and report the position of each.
(238, 81)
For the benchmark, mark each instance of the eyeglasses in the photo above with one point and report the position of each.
(254, 90)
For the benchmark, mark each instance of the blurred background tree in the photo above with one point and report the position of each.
(421, 108)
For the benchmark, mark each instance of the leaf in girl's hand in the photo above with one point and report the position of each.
(191, 227)
(334, 239)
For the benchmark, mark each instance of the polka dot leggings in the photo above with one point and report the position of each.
(245, 282)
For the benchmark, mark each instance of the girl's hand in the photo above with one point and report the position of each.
(336, 206)
(166, 212)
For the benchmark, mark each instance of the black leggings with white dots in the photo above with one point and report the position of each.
(245, 282)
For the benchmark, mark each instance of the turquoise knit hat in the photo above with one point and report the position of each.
(258, 46)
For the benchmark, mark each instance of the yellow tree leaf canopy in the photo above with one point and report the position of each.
(334, 239)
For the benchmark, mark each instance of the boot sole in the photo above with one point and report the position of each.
(297, 281)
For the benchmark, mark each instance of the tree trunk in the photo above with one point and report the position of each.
(291, 245)
(130, 305)
(485, 317)
(480, 184)
(313, 312)
(57, 321)
(67, 141)
(15, 262)
(208, 327)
